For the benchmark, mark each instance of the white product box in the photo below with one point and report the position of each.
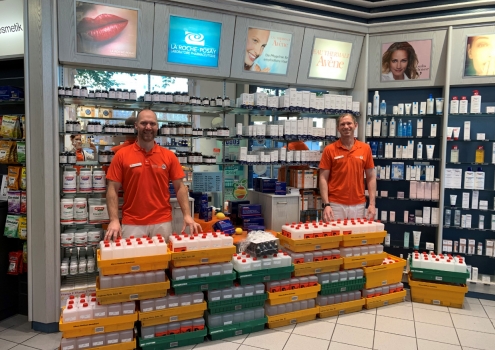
(435, 190)
(462, 245)
(427, 191)
(312, 101)
(299, 99)
(282, 154)
(356, 107)
(243, 153)
(293, 127)
(489, 245)
(327, 101)
(306, 96)
(420, 190)
(392, 216)
(260, 99)
(292, 94)
(305, 127)
(284, 102)
(333, 101)
(412, 189)
(384, 215)
(348, 103)
(281, 130)
(290, 157)
(435, 212)
(426, 215)
(272, 102)
(467, 130)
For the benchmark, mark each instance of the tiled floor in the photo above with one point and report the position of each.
(404, 326)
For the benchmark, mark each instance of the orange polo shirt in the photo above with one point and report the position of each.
(145, 180)
(126, 143)
(346, 180)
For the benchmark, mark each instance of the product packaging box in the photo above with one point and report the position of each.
(256, 220)
(225, 226)
(233, 206)
(248, 210)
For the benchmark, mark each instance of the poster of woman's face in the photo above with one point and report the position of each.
(406, 60)
(480, 56)
(267, 51)
(106, 30)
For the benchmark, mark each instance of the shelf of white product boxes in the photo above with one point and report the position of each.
(360, 239)
(355, 262)
(292, 317)
(341, 308)
(130, 293)
(310, 244)
(174, 314)
(289, 296)
(199, 257)
(134, 264)
(386, 299)
(97, 325)
(306, 269)
(381, 275)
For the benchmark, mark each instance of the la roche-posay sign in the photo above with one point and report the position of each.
(11, 28)
(194, 42)
(330, 59)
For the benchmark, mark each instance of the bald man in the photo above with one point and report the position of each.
(144, 170)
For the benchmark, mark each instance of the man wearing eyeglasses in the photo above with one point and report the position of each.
(144, 170)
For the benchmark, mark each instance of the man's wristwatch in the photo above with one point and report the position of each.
(324, 205)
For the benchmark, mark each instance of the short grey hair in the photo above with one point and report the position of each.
(346, 115)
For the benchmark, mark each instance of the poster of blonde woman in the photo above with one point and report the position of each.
(480, 56)
(406, 60)
(267, 51)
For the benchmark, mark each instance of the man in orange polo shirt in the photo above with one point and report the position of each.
(342, 166)
(144, 170)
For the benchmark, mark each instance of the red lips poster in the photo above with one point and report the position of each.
(106, 30)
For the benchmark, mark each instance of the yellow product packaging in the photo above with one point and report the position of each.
(14, 173)
(85, 111)
(22, 227)
(105, 112)
(8, 128)
(23, 183)
(6, 152)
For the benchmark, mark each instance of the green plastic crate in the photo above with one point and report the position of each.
(173, 341)
(235, 304)
(268, 275)
(232, 330)
(204, 283)
(437, 275)
(340, 287)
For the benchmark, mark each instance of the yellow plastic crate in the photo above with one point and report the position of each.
(311, 244)
(130, 345)
(355, 262)
(199, 257)
(384, 300)
(292, 317)
(437, 293)
(359, 239)
(97, 326)
(138, 292)
(130, 265)
(381, 275)
(311, 268)
(174, 314)
(293, 295)
(341, 308)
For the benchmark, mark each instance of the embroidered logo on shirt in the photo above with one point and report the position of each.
(360, 157)
(164, 166)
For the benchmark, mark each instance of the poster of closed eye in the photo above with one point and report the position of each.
(480, 56)
(106, 30)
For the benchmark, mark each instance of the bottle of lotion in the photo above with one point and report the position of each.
(369, 126)
(454, 105)
(475, 102)
(463, 105)
(393, 128)
(430, 105)
(383, 108)
(376, 103)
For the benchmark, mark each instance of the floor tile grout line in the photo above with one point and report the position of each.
(338, 342)
(374, 329)
(331, 336)
(290, 334)
(415, 333)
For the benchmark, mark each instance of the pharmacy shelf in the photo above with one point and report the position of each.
(406, 116)
(408, 223)
(471, 115)
(124, 119)
(470, 140)
(378, 179)
(469, 228)
(406, 159)
(468, 189)
(469, 163)
(266, 138)
(402, 137)
(470, 209)
(15, 102)
(276, 112)
(408, 199)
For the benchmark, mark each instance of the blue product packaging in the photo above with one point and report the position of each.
(232, 206)
(224, 226)
(257, 220)
(12, 93)
(247, 210)
(267, 185)
(280, 188)
(254, 228)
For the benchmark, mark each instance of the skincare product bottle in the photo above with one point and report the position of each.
(454, 105)
(419, 151)
(380, 149)
(480, 155)
(430, 104)
(369, 127)
(479, 179)
(457, 218)
(454, 154)
(469, 179)
(463, 105)
(399, 130)
(439, 106)
(395, 110)
(415, 108)
(383, 108)
(370, 108)
(404, 129)
(409, 128)
(393, 128)
(475, 102)
(447, 217)
(384, 127)
(376, 103)
(422, 108)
